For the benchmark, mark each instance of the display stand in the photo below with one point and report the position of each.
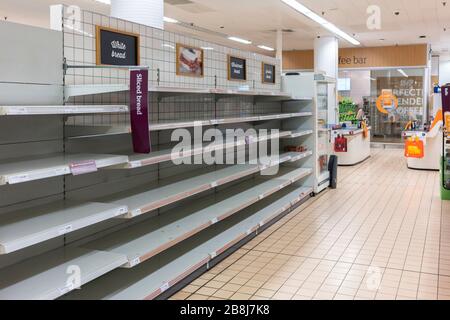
(445, 168)
(358, 146)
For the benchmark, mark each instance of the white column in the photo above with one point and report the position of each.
(146, 12)
(326, 60)
(326, 56)
(280, 47)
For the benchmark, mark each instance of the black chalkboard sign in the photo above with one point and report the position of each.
(237, 68)
(268, 73)
(117, 48)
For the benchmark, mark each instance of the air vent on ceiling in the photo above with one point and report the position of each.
(177, 2)
(284, 30)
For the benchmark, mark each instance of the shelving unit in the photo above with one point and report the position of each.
(61, 110)
(24, 228)
(152, 278)
(134, 234)
(25, 170)
(142, 200)
(143, 241)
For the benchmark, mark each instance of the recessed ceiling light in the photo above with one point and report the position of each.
(239, 40)
(382, 39)
(323, 22)
(422, 37)
(266, 48)
(170, 20)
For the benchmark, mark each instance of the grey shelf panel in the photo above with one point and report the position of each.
(144, 241)
(166, 153)
(149, 279)
(24, 228)
(15, 171)
(48, 276)
(61, 110)
(79, 131)
(140, 201)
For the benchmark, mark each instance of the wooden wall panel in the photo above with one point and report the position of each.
(302, 59)
(373, 57)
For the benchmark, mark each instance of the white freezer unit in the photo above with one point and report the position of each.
(322, 90)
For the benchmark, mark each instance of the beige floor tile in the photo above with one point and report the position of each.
(224, 294)
(240, 296)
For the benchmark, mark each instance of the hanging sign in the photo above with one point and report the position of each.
(139, 111)
(116, 48)
(445, 93)
(237, 68)
(268, 73)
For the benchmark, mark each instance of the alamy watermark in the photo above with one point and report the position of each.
(229, 147)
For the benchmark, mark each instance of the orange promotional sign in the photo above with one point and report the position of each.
(387, 101)
(414, 148)
(447, 122)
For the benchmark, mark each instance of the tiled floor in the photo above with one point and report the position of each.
(383, 234)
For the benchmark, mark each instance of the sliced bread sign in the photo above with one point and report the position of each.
(237, 68)
(139, 111)
(268, 73)
(116, 48)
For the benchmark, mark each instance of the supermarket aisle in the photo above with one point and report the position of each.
(384, 234)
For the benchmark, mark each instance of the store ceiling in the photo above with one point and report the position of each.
(256, 20)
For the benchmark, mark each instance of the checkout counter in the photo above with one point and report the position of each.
(358, 146)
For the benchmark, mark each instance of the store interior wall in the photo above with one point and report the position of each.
(444, 71)
(360, 85)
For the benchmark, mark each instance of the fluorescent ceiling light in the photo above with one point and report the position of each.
(170, 20)
(266, 48)
(403, 73)
(323, 22)
(166, 45)
(207, 48)
(104, 1)
(239, 40)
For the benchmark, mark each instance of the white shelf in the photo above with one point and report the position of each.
(28, 227)
(166, 154)
(150, 279)
(48, 276)
(145, 240)
(83, 90)
(61, 110)
(78, 131)
(24, 170)
(140, 200)
(300, 133)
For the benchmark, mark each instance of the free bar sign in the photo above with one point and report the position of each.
(116, 48)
